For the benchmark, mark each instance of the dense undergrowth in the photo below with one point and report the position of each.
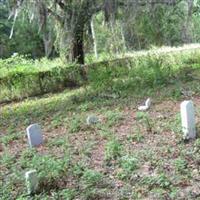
(21, 78)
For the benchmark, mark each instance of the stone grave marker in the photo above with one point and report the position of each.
(146, 106)
(148, 102)
(32, 181)
(188, 120)
(34, 135)
(92, 119)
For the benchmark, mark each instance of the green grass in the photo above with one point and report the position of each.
(19, 64)
(127, 155)
(21, 77)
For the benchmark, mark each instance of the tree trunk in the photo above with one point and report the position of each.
(48, 44)
(123, 38)
(94, 39)
(77, 51)
(77, 48)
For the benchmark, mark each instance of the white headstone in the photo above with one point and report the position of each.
(34, 135)
(31, 181)
(188, 120)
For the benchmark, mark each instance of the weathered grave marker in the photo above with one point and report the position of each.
(32, 181)
(148, 102)
(188, 120)
(146, 106)
(92, 119)
(34, 135)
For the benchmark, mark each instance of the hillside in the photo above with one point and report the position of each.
(128, 154)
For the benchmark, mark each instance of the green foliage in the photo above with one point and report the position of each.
(113, 150)
(116, 153)
(135, 136)
(90, 182)
(113, 117)
(60, 142)
(91, 178)
(49, 168)
(140, 73)
(146, 122)
(175, 125)
(160, 180)
(133, 27)
(21, 77)
(75, 125)
(7, 160)
(68, 194)
(129, 164)
(197, 146)
(26, 39)
(157, 25)
(10, 137)
(181, 165)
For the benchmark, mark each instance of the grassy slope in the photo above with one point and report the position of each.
(21, 78)
(19, 63)
(128, 155)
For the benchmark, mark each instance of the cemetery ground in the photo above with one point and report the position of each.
(127, 154)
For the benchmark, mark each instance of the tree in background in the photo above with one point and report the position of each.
(25, 38)
(115, 26)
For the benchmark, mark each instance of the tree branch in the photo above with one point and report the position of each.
(55, 15)
(143, 3)
(60, 3)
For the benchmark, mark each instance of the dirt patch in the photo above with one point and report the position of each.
(97, 156)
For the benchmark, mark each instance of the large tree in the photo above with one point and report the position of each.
(70, 19)
(73, 17)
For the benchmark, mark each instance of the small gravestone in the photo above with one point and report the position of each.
(31, 181)
(188, 120)
(146, 106)
(34, 135)
(92, 119)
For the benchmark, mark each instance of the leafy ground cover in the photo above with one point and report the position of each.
(127, 155)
